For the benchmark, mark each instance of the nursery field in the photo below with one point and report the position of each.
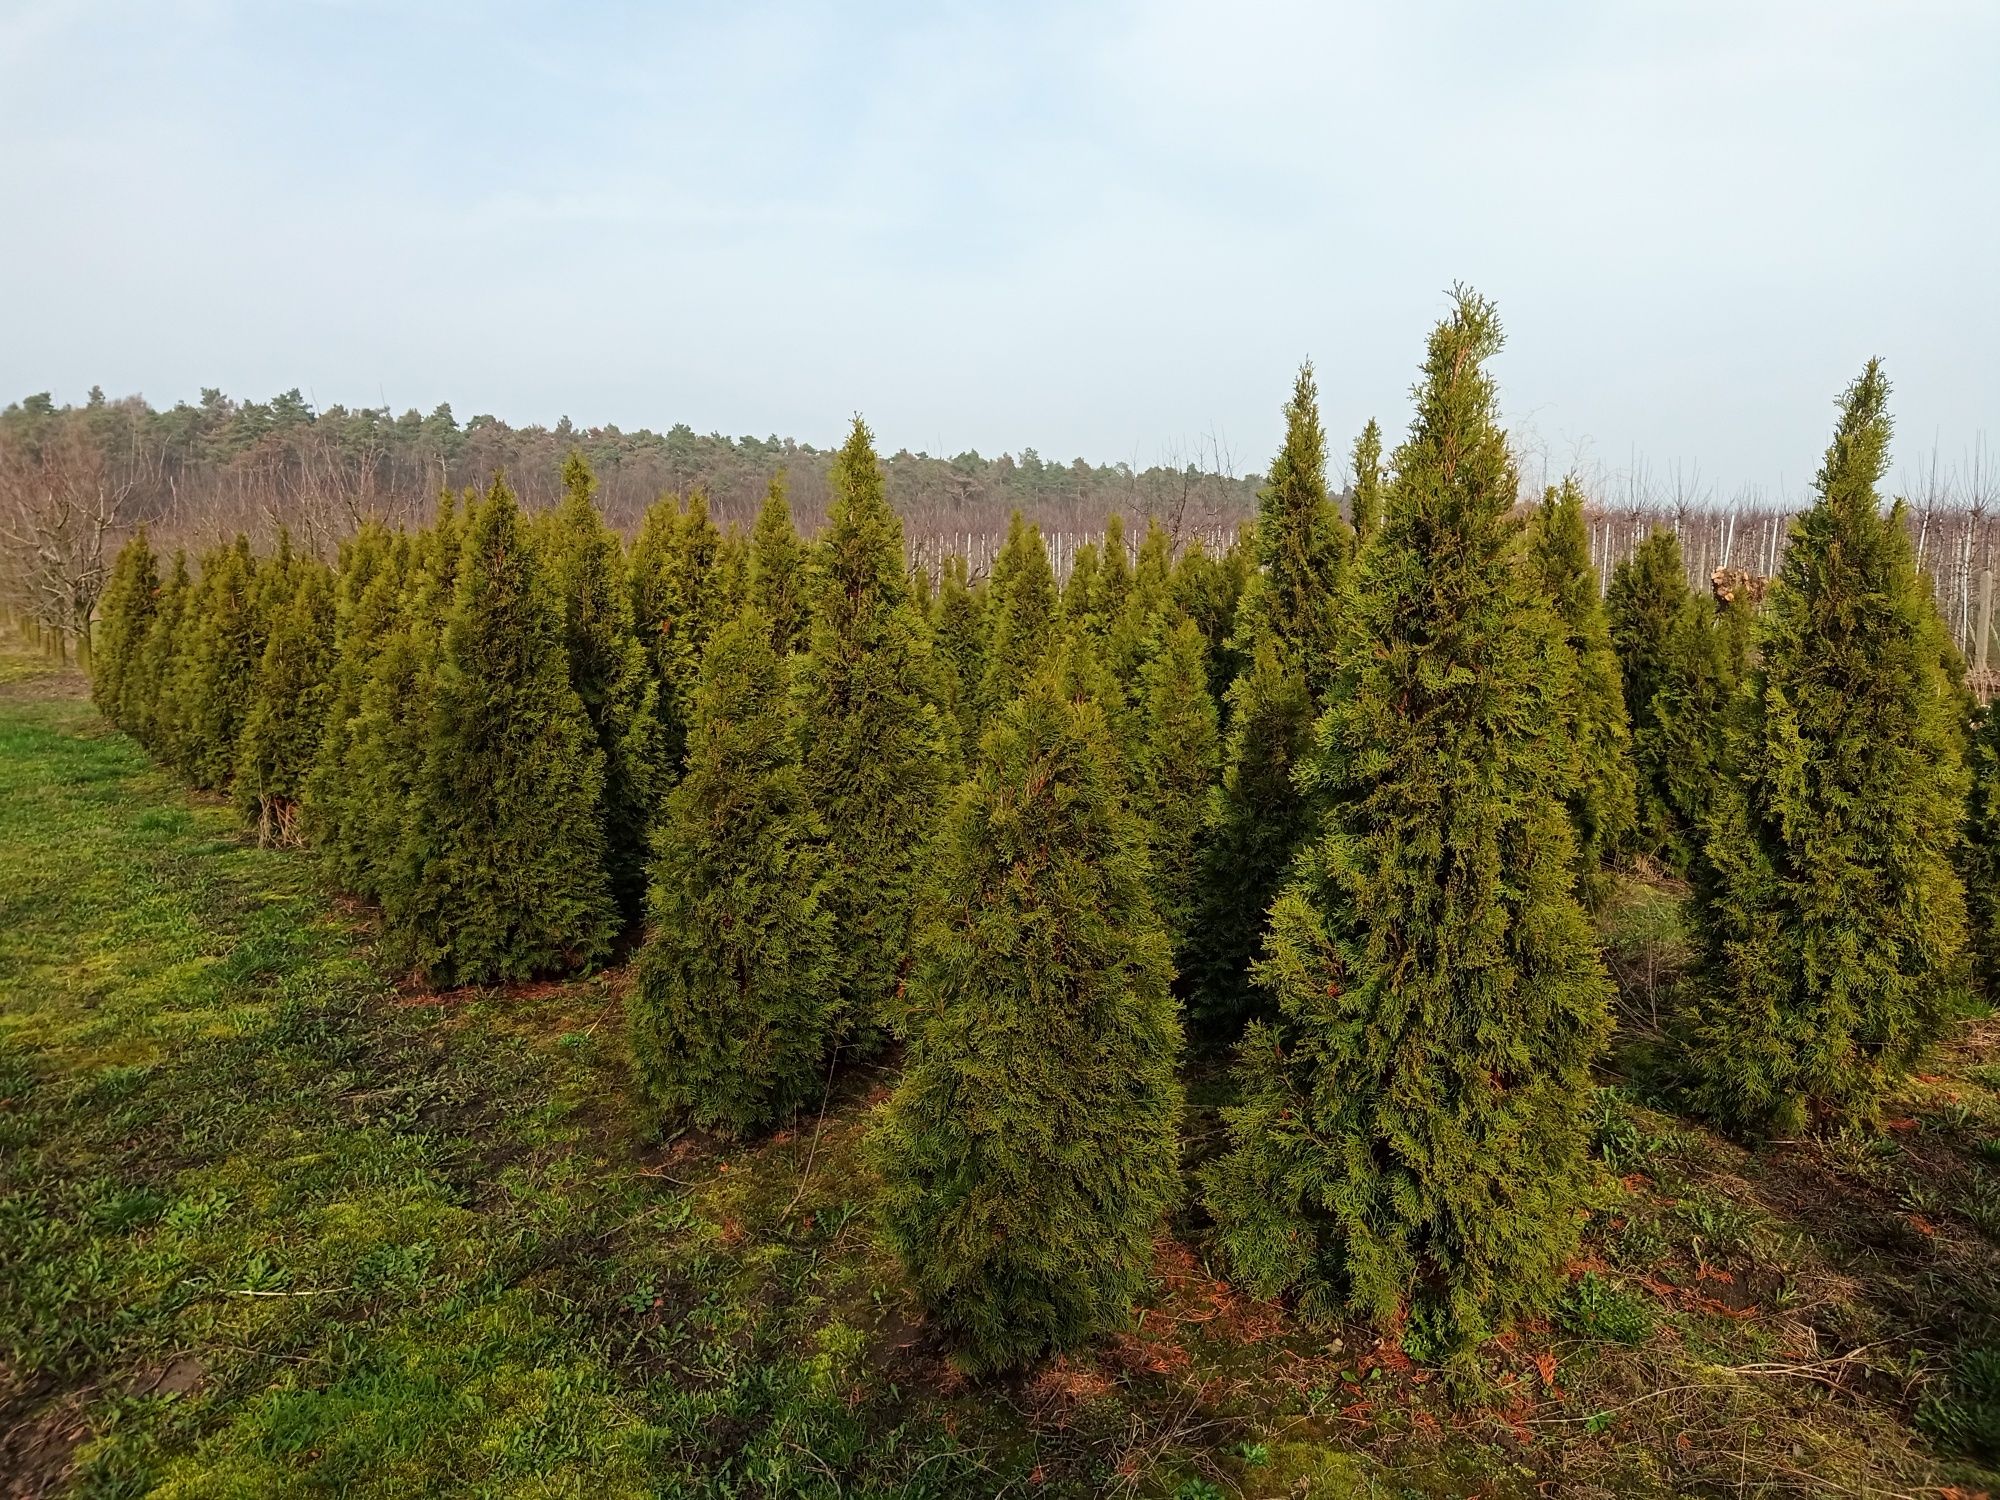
(270, 1224)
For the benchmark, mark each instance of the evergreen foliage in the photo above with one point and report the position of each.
(1412, 1132)
(1029, 1151)
(1207, 590)
(1649, 594)
(1176, 770)
(609, 671)
(1079, 591)
(732, 1011)
(959, 619)
(1981, 859)
(125, 613)
(778, 571)
(1600, 795)
(879, 742)
(1367, 497)
(1026, 616)
(153, 709)
(287, 716)
(505, 855)
(679, 598)
(221, 641)
(1833, 920)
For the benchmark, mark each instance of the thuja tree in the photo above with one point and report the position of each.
(124, 613)
(1178, 748)
(732, 1012)
(1981, 858)
(958, 635)
(879, 742)
(1649, 592)
(1832, 917)
(679, 598)
(609, 670)
(1366, 500)
(506, 854)
(1079, 591)
(147, 693)
(288, 706)
(778, 570)
(1412, 1136)
(1682, 749)
(1207, 589)
(221, 642)
(1028, 1154)
(1026, 616)
(1133, 635)
(1600, 794)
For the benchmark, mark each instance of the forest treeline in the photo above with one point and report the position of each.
(1336, 801)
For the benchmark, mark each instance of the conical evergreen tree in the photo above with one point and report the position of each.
(1683, 748)
(1029, 1152)
(959, 632)
(1832, 917)
(779, 586)
(1207, 589)
(1176, 771)
(153, 709)
(1601, 791)
(1256, 822)
(732, 1014)
(505, 855)
(679, 598)
(1026, 614)
(1113, 585)
(1079, 591)
(879, 742)
(1648, 593)
(124, 614)
(222, 640)
(1412, 1137)
(288, 706)
(1367, 498)
(1133, 636)
(1981, 860)
(608, 669)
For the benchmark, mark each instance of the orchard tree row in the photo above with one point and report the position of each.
(1340, 800)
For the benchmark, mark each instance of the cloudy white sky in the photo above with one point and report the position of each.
(1103, 230)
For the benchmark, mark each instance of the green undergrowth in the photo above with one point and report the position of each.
(270, 1225)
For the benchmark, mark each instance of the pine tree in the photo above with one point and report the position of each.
(879, 742)
(1026, 614)
(505, 855)
(1176, 770)
(1413, 1127)
(1030, 1150)
(288, 706)
(1367, 497)
(125, 613)
(959, 632)
(732, 1015)
(778, 571)
(1601, 784)
(221, 643)
(1833, 920)
(609, 671)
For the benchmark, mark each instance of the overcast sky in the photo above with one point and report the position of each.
(1102, 230)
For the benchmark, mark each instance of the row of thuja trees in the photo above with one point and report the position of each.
(1340, 799)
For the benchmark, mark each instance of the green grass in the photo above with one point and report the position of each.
(270, 1226)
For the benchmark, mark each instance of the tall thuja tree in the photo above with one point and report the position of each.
(778, 571)
(1600, 795)
(1288, 632)
(1368, 483)
(608, 669)
(1207, 589)
(879, 742)
(148, 691)
(679, 598)
(339, 802)
(732, 1015)
(1026, 615)
(959, 632)
(1412, 1137)
(1079, 591)
(506, 866)
(1029, 1152)
(1178, 748)
(1684, 746)
(1833, 920)
(124, 614)
(288, 706)
(1649, 592)
(1980, 860)
(1133, 635)
(222, 640)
